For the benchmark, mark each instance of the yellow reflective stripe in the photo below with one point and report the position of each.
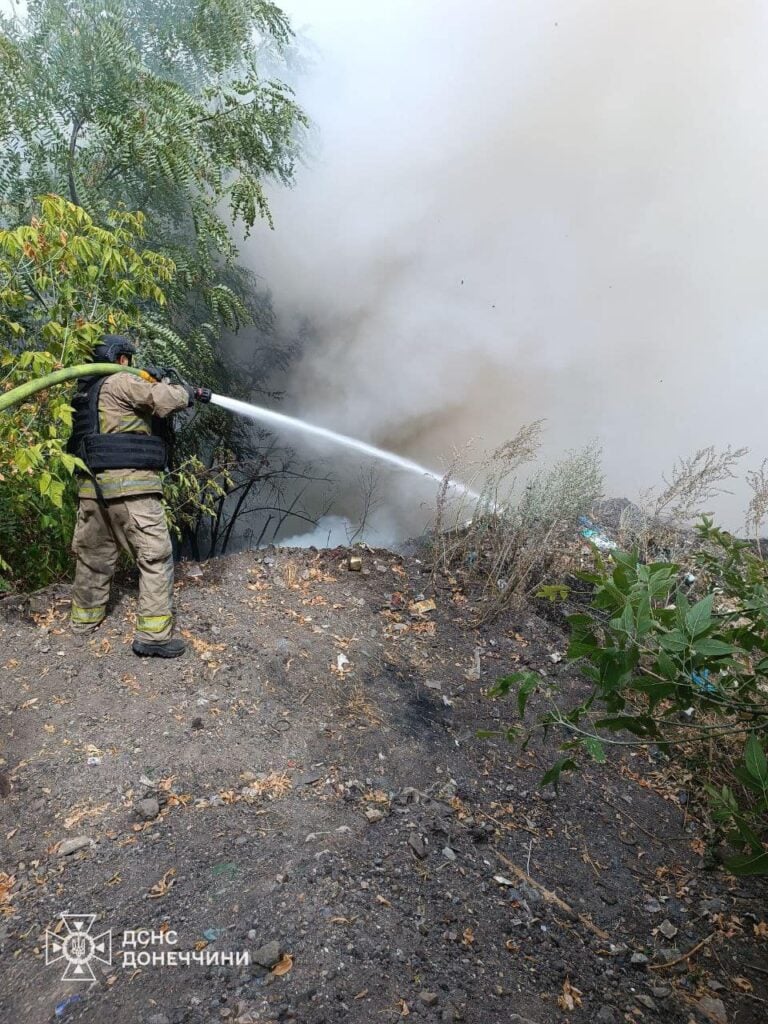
(132, 425)
(121, 487)
(88, 615)
(153, 623)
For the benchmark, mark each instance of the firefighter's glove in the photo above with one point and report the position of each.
(158, 372)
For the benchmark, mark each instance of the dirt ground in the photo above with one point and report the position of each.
(307, 784)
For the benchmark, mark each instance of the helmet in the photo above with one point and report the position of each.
(112, 347)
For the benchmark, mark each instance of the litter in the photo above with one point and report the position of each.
(701, 681)
(595, 536)
(61, 1008)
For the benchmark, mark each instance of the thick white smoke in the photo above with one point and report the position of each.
(537, 208)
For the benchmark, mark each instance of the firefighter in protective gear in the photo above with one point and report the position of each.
(119, 433)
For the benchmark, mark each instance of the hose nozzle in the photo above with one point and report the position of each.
(202, 394)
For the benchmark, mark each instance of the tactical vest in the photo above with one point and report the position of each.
(127, 450)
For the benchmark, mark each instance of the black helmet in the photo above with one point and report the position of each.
(112, 347)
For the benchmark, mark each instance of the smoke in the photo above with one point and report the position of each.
(544, 208)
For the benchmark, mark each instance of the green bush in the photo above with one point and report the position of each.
(64, 282)
(686, 675)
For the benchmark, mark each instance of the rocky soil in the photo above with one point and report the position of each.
(308, 785)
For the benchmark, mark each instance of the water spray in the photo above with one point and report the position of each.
(279, 419)
(253, 412)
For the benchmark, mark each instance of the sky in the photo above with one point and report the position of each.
(536, 208)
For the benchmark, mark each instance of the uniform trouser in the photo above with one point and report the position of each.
(138, 526)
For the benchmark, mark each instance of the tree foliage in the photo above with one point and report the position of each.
(64, 282)
(157, 105)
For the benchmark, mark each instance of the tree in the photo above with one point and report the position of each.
(64, 282)
(158, 105)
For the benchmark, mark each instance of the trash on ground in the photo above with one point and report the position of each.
(596, 536)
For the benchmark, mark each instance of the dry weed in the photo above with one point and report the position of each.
(510, 539)
(656, 524)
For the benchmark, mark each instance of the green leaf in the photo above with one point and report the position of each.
(565, 764)
(712, 648)
(674, 641)
(595, 748)
(755, 760)
(748, 864)
(526, 688)
(656, 689)
(698, 619)
(554, 592)
(667, 667)
(638, 725)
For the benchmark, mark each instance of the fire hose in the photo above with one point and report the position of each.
(25, 391)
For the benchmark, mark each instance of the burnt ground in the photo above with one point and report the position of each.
(317, 794)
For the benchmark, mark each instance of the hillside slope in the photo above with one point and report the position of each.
(307, 785)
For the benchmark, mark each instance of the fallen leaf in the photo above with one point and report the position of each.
(743, 983)
(162, 887)
(570, 997)
(283, 965)
(6, 884)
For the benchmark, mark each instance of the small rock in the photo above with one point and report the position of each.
(638, 959)
(148, 809)
(158, 1018)
(713, 1009)
(373, 814)
(428, 998)
(606, 1015)
(715, 985)
(652, 907)
(661, 991)
(448, 853)
(416, 843)
(667, 929)
(711, 906)
(645, 1001)
(267, 956)
(74, 844)
(197, 724)
(432, 684)
(252, 935)
(309, 778)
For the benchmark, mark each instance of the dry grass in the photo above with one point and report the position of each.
(657, 523)
(757, 510)
(359, 707)
(512, 538)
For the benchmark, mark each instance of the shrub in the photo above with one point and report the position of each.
(687, 676)
(512, 538)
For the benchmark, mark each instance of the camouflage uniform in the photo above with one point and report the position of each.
(132, 517)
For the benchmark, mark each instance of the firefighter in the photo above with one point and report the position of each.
(118, 432)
